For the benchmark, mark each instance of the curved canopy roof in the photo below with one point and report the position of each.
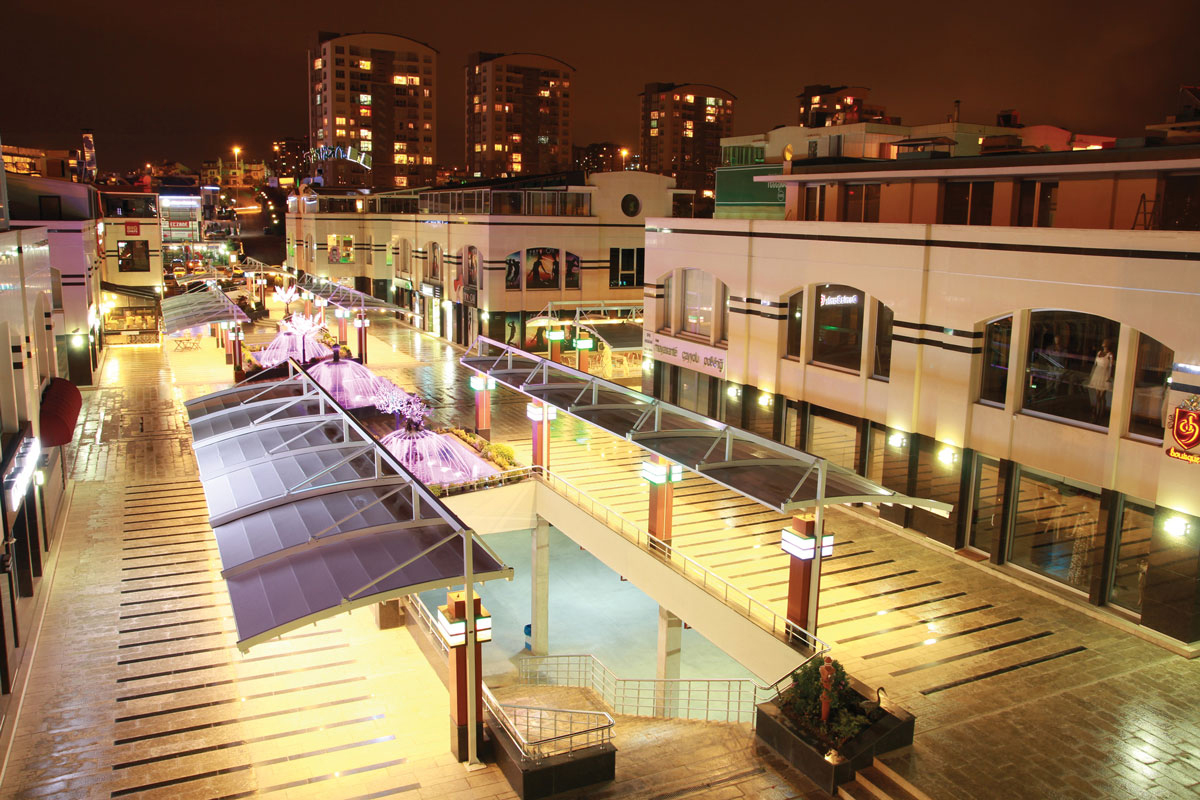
(311, 515)
(778, 476)
(191, 309)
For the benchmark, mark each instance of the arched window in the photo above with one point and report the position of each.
(698, 312)
(1152, 370)
(838, 326)
(405, 265)
(795, 325)
(1070, 366)
(471, 265)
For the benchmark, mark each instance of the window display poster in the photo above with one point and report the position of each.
(574, 270)
(512, 271)
(341, 249)
(435, 261)
(471, 262)
(512, 328)
(543, 269)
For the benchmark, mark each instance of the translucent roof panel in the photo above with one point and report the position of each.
(312, 516)
(192, 309)
(764, 470)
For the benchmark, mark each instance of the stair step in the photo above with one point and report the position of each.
(883, 787)
(854, 791)
(900, 780)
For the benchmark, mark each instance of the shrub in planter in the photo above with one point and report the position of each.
(801, 704)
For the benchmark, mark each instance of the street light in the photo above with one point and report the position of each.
(624, 155)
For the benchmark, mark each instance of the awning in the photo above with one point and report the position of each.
(191, 309)
(140, 292)
(312, 515)
(780, 477)
(61, 402)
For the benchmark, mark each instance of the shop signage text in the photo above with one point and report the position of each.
(1185, 430)
(327, 153)
(698, 357)
(839, 300)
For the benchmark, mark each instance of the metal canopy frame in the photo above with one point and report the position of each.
(194, 308)
(589, 315)
(344, 297)
(777, 476)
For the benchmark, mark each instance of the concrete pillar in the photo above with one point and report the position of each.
(581, 352)
(670, 648)
(540, 575)
(662, 497)
(540, 414)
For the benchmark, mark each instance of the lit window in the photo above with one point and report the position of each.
(339, 132)
(689, 133)
(498, 107)
(320, 133)
(497, 147)
(400, 158)
(400, 147)
(653, 123)
(414, 80)
(710, 117)
(364, 63)
(364, 99)
(516, 137)
(427, 160)
(710, 101)
(318, 98)
(402, 180)
(400, 80)
(364, 112)
(691, 98)
(318, 63)
(676, 98)
(516, 157)
(340, 120)
(654, 131)
(478, 147)
(544, 93)
(427, 127)
(688, 124)
(653, 115)
(516, 167)
(364, 133)
(365, 146)
(816, 99)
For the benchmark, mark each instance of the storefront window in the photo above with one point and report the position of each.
(938, 477)
(875, 452)
(341, 248)
(697, 303)
(1148, 411)
(883, 341)
(987, 504)
(795, 324)
(1058, 529)
(1133, 555)
(837, 327)
(834, 437)
(993, 383)
(133, 256)
(1072, 359)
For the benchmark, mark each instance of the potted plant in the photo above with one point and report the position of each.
(828, 726)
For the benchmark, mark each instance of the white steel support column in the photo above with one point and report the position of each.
(540, 572)
(472, 689)
(670, 650)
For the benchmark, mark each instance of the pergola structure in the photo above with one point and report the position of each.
(199, 307)
(313, 517)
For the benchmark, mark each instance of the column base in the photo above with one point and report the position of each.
(485, 433)
(458, 742)
(389, 614)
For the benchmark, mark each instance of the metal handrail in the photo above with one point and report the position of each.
(709, 699)
(597, 732)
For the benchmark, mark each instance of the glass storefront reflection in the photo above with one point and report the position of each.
(1058, 529)
(987, 504)
(1133, 555)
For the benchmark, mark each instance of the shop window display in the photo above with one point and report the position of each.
(1132, 555)
(1058, 529)
(697, 303)
(1071, 362)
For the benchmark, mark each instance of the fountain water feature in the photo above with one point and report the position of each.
(430, 457)
(351, 384)
(297, 338)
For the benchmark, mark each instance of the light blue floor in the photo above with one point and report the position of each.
(591, 611)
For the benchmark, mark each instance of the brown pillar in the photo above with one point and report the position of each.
(556, 351)
(483, 410)
(803, 569)
(456, 606)
(362, 323)
(583, 354)
(662, 497)
(540, 414)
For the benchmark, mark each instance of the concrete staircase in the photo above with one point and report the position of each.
(880, 782)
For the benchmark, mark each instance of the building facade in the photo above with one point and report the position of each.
(518, 118)
(483, 260)
(287, 165)
(986, 331)
(681, 129)
(372, 111)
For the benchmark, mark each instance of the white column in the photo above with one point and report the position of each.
(540, 575)
(670, 648)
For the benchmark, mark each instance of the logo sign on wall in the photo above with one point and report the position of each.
(698, 357)
(1185, 430)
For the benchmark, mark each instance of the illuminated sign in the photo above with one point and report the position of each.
(700, 358)
(20, 473)
(326, 153)
(839, 300)
(1185, 430)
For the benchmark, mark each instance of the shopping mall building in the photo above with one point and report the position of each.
(484, 258)
(1014, 334)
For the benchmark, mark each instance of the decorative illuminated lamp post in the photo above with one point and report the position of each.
(286, 295)
(362, 323)
(555, 337)
(225, 325)
(584, 345)
(804, 575)
(541, 414)
(342, 315)
(305, 327)
(662, 476)
(236, 334)
(464, 676)
(483, 385)
(320, 303)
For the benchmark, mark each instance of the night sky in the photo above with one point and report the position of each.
(187, 81)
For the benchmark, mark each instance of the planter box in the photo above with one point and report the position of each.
(890, 732)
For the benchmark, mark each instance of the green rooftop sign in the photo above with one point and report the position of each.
(736, 186)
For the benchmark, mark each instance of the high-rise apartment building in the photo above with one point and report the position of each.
(518, 114)
(682, 126)
(286, 161)
(372, 116)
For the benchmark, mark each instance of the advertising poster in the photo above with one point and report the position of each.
(512, 271)
(471, 259)
(574, 270)
(542, 268)
(435, 261)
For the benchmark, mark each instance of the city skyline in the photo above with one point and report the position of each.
(1119, 70)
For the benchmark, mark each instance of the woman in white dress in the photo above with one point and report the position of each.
(1099, 385)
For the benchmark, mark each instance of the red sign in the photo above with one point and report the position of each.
(1186, 429)
(133, 228)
